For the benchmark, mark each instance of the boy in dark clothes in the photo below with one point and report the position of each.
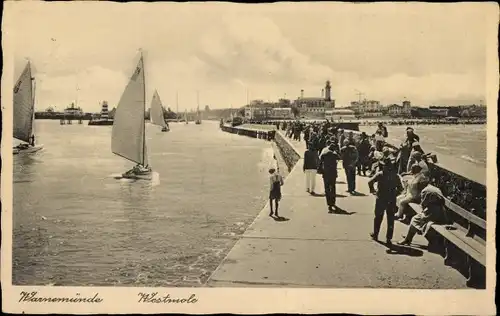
(275, 191)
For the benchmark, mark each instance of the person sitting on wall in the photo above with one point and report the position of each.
(414, 187)
(416, 157)
(432, 212)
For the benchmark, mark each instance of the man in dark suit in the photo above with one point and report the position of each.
(329, 159)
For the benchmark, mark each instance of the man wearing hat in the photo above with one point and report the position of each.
(388, 187)
(350, 157)
(363, 151)
(328, 160)
(406, 148)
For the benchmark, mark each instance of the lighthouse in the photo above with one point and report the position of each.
(328, 91)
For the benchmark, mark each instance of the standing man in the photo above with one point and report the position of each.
(406, 148)
(328, 160)
(349, 160)
(363, 152)
(388, 187)
(310, 168)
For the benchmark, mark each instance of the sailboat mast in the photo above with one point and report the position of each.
(143, 111)
(33, 106)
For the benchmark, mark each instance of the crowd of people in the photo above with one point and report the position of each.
(398, 176)
(400, 122)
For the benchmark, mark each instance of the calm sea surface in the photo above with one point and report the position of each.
(76, 225)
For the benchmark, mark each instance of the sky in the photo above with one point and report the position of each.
(426, 53)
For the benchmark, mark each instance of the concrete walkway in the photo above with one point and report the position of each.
(312, 248)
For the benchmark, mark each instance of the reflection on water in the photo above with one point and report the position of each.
(74, 224)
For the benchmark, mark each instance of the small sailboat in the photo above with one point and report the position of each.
(186, 116)
(24, 113)
(156, 113)
(129, 127)
(198, 118)
(198, 114)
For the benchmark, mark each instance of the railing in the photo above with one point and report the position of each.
(466, 193)
(255, 133)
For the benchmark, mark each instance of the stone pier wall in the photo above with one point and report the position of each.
(255, 133)
(290, 156)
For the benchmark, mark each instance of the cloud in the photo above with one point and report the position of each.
(254, 49)
(419, 51)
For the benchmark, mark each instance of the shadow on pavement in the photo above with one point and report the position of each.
(355, 193)
(402, 250)
(280, 219)
(339, 211)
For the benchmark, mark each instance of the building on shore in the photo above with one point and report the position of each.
(406, 110)
(395, 110)
(315, 107)
(340, 114)
(73, 111)
(366, 106)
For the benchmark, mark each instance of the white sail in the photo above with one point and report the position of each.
(156, 112)
(23, 106)
(186, 115)
(128, 135)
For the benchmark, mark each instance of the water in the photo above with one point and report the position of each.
(460, 148)
(74, 224)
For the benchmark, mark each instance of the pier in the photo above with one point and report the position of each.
(309, 247)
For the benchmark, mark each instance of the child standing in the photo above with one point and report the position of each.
(275, 192)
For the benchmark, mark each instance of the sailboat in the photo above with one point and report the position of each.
(128, 136)
(198, 114)
(156, 113)
(24, 113)
(186, 116)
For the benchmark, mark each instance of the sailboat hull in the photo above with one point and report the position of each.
(144, 175)
(136, 176)
(27, 150)
(165, 129)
